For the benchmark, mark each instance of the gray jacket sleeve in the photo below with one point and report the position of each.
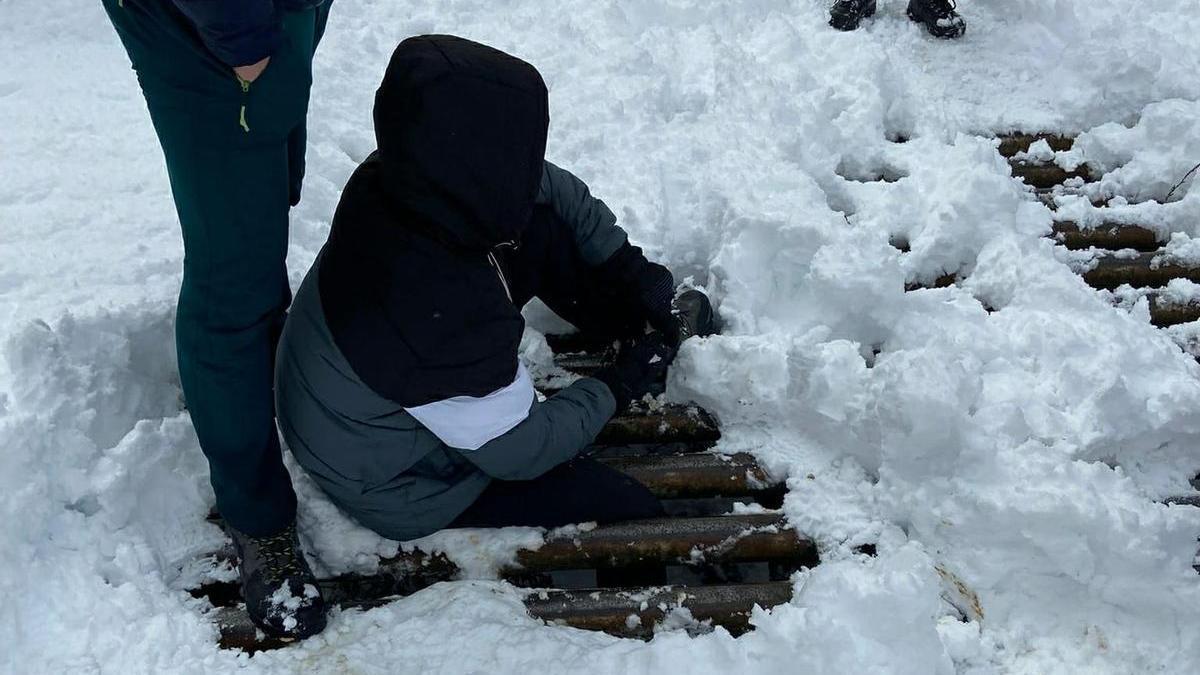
(555, 432)
(594, 226)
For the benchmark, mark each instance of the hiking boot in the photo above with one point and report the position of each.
(848, 14)
(281, 594)
(695, 315)
(939, 17)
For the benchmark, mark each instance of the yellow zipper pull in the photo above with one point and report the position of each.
(245, 90)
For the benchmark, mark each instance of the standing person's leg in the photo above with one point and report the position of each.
(234, 209)
(580, 491)
(233, 176)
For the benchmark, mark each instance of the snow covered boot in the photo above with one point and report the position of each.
(695, 315)
(939, 17)
(848, 14)
(281, 594)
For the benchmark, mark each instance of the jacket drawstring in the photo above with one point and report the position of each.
(500, 273)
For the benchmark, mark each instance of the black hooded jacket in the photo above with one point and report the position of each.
(412, 294)
(398, 386)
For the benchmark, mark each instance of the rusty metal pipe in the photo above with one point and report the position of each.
(1106, 236)
(1139, 272)
(696, 475)
(666, 541)
(1047, 175)
(635, 613)
(1012, 144)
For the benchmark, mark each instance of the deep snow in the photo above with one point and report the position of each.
(1007, 463)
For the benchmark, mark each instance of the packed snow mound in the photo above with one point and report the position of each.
(1155, 160)
(1150, 160)
(1004, 442)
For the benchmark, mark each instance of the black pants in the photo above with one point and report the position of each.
(580, 491)
(547, 265)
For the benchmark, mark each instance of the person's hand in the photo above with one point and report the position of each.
(640, 368)
(251, 72)
(651, 286)
(655, 289)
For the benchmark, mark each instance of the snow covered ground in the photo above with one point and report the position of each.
(1017, 454)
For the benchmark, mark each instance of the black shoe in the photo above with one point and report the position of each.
(847, 14)
(281, 593)
(695, 315)
(939, 17)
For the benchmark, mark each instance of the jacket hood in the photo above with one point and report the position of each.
(461, 129)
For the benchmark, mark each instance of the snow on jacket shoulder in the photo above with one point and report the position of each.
(240, 32)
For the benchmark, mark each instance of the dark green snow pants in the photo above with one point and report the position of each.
(235, 158)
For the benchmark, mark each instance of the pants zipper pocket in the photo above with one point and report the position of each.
(245, 93)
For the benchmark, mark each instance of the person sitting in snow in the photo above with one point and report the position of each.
(398, 382)
(939, 16)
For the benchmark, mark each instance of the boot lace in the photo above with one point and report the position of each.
(279, 556)
(943, 8)
(685, 327)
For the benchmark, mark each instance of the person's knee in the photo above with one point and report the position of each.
(639, 504)
(385, 522)
(628, 499)
(234, 303)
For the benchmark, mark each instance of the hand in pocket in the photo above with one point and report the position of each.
(251, 72)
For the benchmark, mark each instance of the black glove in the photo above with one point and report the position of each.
(640, 368)
(651, 286)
